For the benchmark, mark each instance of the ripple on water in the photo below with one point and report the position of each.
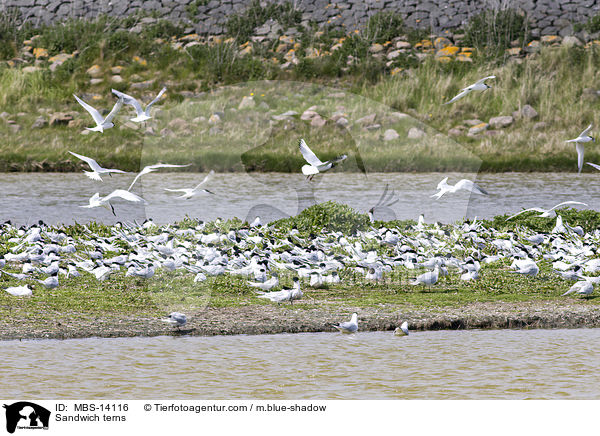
(504, 364)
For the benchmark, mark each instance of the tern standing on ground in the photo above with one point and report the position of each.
(348, 326)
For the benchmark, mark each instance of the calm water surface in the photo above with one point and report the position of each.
(56, 198)
(502, 364)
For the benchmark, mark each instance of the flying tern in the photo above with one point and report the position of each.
(545, 212)
(464, 184)
(101, 122)
(579, 145)
(151, 168)
(190, 192)
(316, 165)
(477, 86)
(97, 170)
(97, 201)
(141, 114)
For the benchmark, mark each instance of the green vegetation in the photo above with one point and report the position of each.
(493, 31)
(241, 26)
(84, 302)
(589, 220)
(553, 81)
(330, 216)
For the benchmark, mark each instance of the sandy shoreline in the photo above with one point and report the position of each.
(273, 319)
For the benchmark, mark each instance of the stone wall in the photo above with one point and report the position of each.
(208, 17)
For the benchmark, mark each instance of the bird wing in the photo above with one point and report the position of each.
(565, 203)
(128, 99)
(208, 176)
(461, 94)
(594, 165)
(586, 131)
(335, 160)
(184, 190)
(93, 112)
(91, 162)
(150, 168)
(125, 195)
(532, 209)
(115, 110)
(162, 91)
(443, 183)
(469, 185)
(479, 82)
(308, 155)
(580, 151)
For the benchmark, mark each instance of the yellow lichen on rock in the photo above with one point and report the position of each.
(39, 52)
(450, 50)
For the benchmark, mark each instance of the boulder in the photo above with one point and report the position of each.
(247, 102)
(376, 48)
(308, 115)
(525, 112)
(367, 119)
(60, 118)
(318, 121)
(39, 123)
(501, 122)
(94, 71)
(479, 128)
(390, 135)
(415, 133)
(570, 41)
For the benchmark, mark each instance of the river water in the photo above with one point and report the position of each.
(26, 198)
(501, 364)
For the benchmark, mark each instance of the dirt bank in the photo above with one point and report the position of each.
(287, 319)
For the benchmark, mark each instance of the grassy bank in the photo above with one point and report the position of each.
(225, 304)
(203, 119)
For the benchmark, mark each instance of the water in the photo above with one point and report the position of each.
(55, 198)
(502, 364)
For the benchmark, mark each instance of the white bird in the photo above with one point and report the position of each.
(316, 165)
(101, 122)
(546, 212)
(141, 115)
(463, 184)
(19, 291)
(402, 330)
(278, 296)
(256, 223)
(477, 86)
(579, 141)
(527, 268)
(152, 168)
(348, 326)
(266, 286)
(428, 278)
(50, 282)
(97, 201)
(190, 192)
(176, 319)
(97, 170)
(583, 287)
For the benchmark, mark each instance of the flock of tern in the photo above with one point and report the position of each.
(43, 253)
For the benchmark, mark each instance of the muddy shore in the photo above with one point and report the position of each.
(285, 319)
